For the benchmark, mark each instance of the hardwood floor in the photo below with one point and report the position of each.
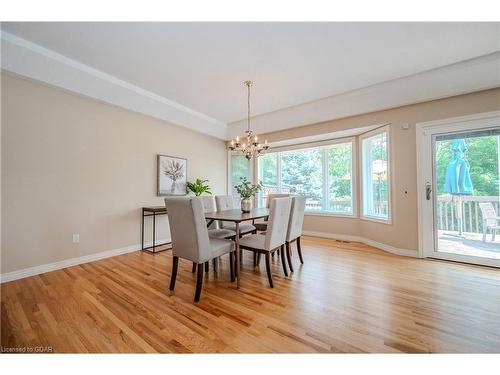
(347, 297)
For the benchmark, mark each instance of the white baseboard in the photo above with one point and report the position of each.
(36, 270)
(31, 271)
(366, 241)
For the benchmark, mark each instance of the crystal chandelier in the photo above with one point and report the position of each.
(248, 146)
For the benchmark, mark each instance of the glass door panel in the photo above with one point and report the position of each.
(466, 193)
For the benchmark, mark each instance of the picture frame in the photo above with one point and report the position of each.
(171, 175)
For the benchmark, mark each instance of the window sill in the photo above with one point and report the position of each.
(330, 214)
(376, 219)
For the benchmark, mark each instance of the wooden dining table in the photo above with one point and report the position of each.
(236, 216)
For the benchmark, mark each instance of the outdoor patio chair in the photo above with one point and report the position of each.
(490, 219)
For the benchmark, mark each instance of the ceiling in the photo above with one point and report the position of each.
(201, 66)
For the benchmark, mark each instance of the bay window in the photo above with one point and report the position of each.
(323, 174)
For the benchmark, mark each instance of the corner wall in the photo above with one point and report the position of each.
(75, 165)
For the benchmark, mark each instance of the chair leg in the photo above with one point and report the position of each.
(215, 263)
(231, 266)
(199, 283)
(299, 250)
(283, 259)
(289, 256)
(175, 265)
(258, 258)
(193, 270)
(206, 266)
(268, 269)
(254, 259)
(485, 231)
(493, 233)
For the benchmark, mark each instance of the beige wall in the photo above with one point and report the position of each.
(403, 232)
(75, 165)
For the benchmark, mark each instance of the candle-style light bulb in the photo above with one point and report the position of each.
(232, 142)
(255, 138)
(237, 138)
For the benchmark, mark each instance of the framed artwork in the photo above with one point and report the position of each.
(172, 174)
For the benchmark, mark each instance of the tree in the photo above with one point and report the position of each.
(339, 165)
(301, 171)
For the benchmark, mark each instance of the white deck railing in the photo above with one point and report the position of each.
(472, 219)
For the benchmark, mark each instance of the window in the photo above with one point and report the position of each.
(375, 175)
(268, 175)
(302, 174)
(239, 167)
(323, 174)
(340, 197)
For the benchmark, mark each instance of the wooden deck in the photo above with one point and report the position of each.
(469, 244)
(347, 297)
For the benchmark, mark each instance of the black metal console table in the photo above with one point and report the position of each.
(152, 211)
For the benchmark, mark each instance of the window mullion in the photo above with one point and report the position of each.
(325, 179)
(278, 171)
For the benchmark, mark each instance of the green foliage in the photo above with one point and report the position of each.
(268, 168)
(482, 155)
(246, 189)
(199, 187)
(301, 172)
(240, 166)
(339, 157)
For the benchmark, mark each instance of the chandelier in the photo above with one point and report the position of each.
(249, 145)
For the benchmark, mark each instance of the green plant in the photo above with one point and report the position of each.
(199, 187)
(246, 189)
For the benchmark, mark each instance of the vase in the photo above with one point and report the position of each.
(246, 204)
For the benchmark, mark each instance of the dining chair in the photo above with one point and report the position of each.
(226, 202)
(275, 236)
(190, 238)
(214, 231)
(294, 231)
(262, 226)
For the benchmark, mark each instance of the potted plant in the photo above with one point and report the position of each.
(247, 190)
(199, 187)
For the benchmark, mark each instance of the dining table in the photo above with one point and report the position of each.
(237, 216)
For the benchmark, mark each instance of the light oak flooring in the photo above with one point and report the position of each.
(347, 297)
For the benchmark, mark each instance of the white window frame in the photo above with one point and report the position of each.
(384, 129)
(324, 145)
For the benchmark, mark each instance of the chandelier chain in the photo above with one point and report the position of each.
(250, 147)
(248, 108)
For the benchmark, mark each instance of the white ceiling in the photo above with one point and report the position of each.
(201, 66)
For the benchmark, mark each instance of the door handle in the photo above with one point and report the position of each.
(428, 191)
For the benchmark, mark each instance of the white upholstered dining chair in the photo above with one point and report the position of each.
(190, 238)
(262, 226)
(214, 231)
(275, 236)
(226, 202)
(294, 231)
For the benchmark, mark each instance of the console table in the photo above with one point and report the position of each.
(147, 212)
